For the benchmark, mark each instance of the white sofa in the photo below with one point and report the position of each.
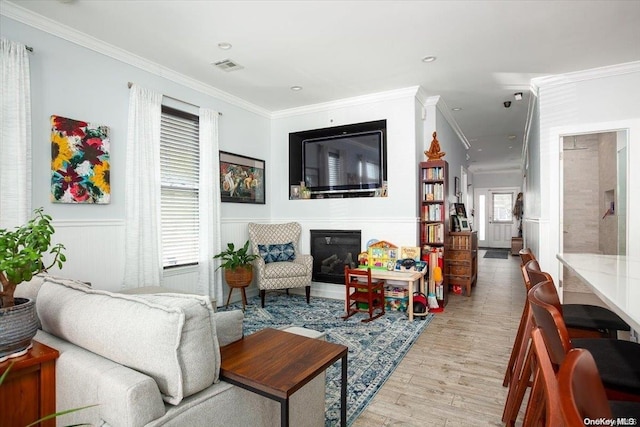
(150, 360)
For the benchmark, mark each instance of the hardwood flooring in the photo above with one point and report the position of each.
(452, 375)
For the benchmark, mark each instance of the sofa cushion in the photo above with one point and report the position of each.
(277, 252)
(170, 338)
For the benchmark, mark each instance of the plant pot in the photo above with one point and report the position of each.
(18, 325)
(238, 277)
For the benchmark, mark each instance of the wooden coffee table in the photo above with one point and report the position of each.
(276, 364)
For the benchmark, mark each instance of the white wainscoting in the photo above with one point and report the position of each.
(95, 249)
(401, 231)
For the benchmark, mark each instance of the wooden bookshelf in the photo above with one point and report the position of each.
(434, 214)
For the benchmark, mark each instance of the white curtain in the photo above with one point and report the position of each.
(209, 280)
(143, 265)
(15, 135)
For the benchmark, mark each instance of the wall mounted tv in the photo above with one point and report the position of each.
(342, 161)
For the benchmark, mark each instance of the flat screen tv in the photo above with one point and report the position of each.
(344, 162)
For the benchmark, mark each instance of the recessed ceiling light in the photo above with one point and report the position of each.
(511, 137)
(479, 149)
(456, 109)
(224, 45)
(296, 88)
(428, 59)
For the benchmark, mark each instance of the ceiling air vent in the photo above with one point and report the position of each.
(228, 65)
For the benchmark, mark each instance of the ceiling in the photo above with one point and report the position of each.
(486, 51)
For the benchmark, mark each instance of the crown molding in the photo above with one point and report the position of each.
(20, 14)
(493, 169)
(347, 102)
(438, 102)
(579, 76)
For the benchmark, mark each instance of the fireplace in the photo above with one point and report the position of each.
(331, 251)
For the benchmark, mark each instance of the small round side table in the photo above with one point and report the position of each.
(242, 290)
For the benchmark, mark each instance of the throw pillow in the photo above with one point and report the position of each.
(277, 252)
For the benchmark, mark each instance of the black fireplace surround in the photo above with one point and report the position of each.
(331, 251)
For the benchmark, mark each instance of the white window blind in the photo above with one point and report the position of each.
(179, 159)
(335, 168)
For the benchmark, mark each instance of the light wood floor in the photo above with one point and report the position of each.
(452, 376)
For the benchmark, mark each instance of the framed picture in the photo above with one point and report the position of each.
(241, 179)
(455, 223)
(294, 193)
(464, 223)
(460, 210)
(80, 162)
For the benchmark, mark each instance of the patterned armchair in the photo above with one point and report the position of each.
(281, 265)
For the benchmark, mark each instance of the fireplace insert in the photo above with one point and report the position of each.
(331, 251)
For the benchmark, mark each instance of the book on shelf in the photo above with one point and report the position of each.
(433, 191)
(432, 212)
(432, 233)
(433, 174)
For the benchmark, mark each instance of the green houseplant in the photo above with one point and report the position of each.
(237, 264)
(21, 257)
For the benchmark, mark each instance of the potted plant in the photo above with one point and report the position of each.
(21, 257)
(237, 264)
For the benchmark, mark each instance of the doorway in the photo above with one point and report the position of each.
(594, 194)
(496, 224)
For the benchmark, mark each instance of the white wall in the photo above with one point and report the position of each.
(450, 142)
(77, 82)
(392, 218)
(84, 80)
(599, 100)
(497, 179)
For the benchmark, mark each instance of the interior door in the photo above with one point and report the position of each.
(496, 224)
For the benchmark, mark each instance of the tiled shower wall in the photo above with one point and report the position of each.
(589, 164)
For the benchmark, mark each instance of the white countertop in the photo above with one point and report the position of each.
(613, 278)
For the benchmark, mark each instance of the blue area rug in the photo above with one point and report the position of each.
(375, 348)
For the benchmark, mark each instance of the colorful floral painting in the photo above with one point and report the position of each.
(79, 162)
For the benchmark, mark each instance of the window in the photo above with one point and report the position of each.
(335, 169)
(502, 207)
(179, 171)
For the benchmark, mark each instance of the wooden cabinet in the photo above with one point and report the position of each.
(461, 260)
(516, 245)
(29, 390)
(434, 214)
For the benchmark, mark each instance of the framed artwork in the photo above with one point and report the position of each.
(460, 210)
(455, 223)
(294, 193)
(241, 179)
(464, 224)
(79, 162)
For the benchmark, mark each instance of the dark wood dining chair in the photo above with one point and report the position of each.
(583, 396)
(582, 320)
(618, 361)
(543, 408)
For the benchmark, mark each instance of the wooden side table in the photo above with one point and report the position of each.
(275, 364)
(29, 390)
